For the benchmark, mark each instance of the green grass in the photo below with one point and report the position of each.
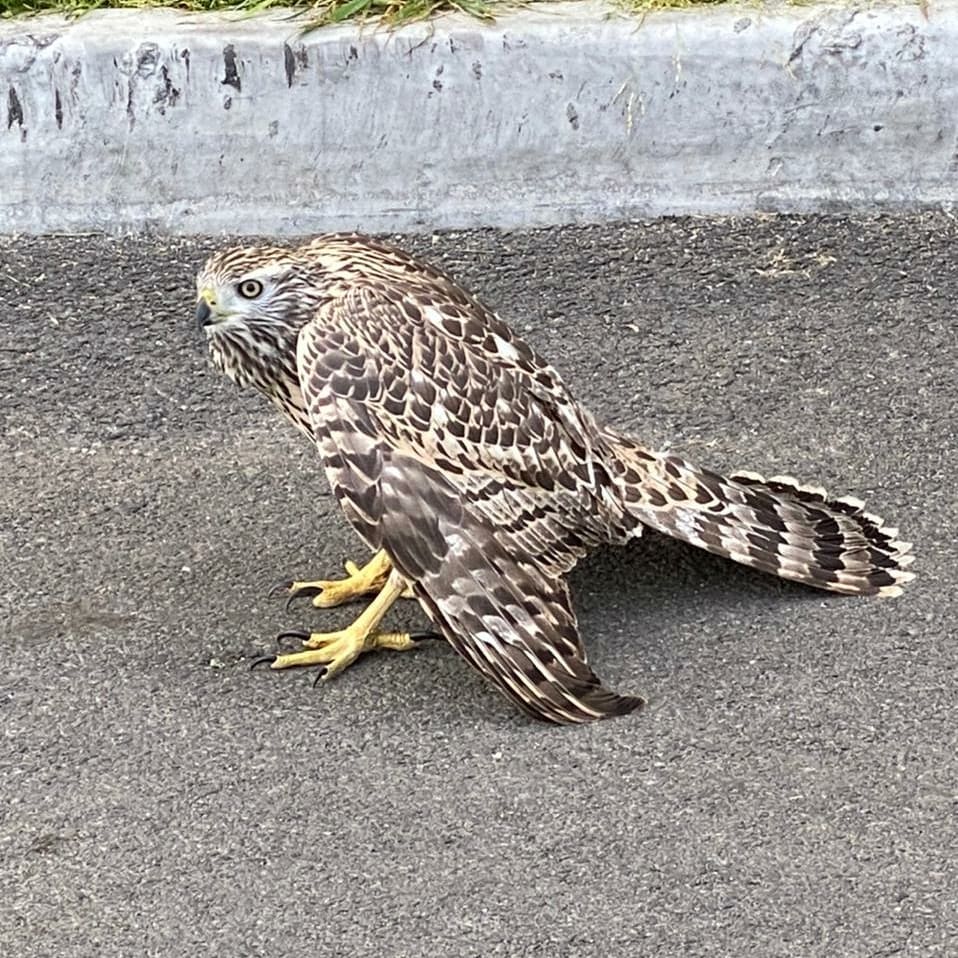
(319, 12)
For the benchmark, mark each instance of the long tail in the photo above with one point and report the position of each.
(776, 525)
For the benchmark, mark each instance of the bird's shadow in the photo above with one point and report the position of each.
(659, 568)
(650, 586)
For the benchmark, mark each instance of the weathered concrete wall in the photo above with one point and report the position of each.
(553, 114)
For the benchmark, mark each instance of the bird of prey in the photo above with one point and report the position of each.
(464, 463)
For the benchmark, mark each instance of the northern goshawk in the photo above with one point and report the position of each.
(463, 462)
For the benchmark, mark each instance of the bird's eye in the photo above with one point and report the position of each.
(250, 288)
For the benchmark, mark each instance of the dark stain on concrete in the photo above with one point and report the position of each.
(231, 74)
(14, 109)
(58, 109)
(167, 94)
(147, 57)
(289, 62)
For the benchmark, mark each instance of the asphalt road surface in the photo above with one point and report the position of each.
(792, 787)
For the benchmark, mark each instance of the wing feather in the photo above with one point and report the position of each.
(465, 502)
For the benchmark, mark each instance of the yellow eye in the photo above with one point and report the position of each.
(250, 288)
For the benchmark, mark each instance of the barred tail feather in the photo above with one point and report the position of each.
(776, 525)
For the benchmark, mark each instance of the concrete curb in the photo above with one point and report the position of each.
(556, 114)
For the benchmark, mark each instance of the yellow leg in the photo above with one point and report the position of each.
(338, 650)
(327, 593)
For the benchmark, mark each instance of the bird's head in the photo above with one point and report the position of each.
(251, 304)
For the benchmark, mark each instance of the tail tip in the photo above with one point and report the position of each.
(902, 578)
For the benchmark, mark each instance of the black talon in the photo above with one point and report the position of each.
(306, 593)
(262, 660)
(284, 585)
(424, 636)
(292, 634)
(319, 676)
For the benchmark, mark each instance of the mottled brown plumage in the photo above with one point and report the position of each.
(458, 451)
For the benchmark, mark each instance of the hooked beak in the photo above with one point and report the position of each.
(204, 314)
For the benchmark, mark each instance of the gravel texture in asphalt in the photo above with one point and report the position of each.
(790, 788)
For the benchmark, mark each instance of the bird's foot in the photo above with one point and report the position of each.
(327, 593)
(335, 651)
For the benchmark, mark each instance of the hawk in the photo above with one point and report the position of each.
(464, 463)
